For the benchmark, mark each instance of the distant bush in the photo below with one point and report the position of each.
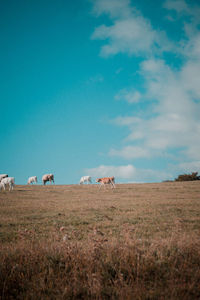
(168, 181)
(188, 177)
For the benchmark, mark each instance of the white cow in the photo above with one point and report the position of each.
(87, 179)
(3, 176)
(32, 180)
(47, 177)
(8, 181)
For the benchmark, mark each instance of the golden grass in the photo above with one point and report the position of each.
(138, 241)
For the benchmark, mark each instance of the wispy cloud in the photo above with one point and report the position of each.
(129, 96)
(114, 8)
(183, 8)
(130, 32)
(130, 152)
(96, 79)
(176, 123)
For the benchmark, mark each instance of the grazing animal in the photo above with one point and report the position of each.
(32, 180)
(3, 176)
(47, 177)
(87, 179)
(8, 181)
(106, 180)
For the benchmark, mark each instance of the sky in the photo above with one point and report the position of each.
(99, 88)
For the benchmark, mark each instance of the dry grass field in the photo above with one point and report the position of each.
(138, 241)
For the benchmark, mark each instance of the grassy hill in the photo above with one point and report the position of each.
(138, 241)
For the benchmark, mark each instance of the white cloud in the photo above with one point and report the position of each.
(115, 8)
(182, 8)
(125, 36)
(130, 152)
(190, 77)
(129, 96)
(177, 5)
(176, 123)
(125, 121)
(124, 172)
(187, 9)
(130, 33)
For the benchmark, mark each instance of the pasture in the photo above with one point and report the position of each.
(138, 241)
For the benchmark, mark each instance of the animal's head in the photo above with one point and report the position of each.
(98, 179)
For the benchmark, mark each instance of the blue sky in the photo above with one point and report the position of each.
(100, 88)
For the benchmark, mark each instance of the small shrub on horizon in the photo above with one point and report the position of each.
(188, 177)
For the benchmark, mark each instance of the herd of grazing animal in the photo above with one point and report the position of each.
(5, 180)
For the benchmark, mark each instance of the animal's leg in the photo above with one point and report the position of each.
(113, 184)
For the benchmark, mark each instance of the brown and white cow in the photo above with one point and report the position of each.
(47, 177)
(106, 180)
